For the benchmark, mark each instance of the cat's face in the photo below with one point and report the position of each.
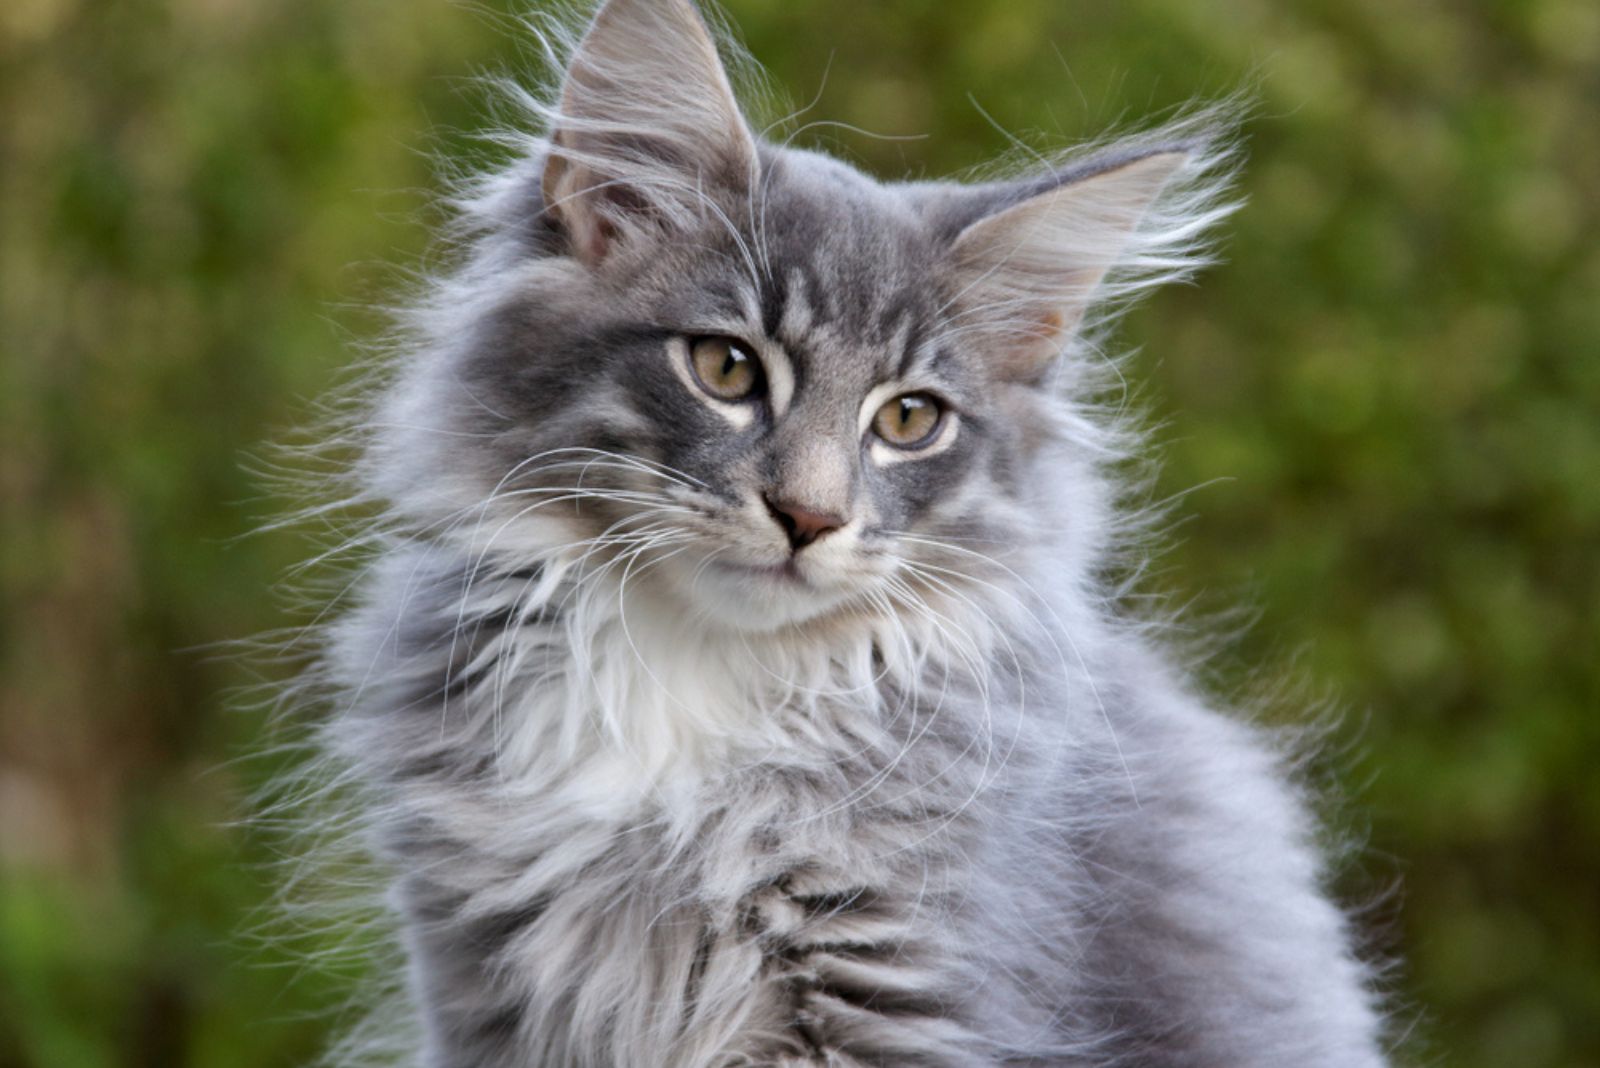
(792, 427)
(748, 376)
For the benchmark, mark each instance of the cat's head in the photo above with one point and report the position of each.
(749, 377)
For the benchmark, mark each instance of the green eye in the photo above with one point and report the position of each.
(725, 368)
(909, 421)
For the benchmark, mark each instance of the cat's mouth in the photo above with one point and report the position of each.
(759, 592)
(786, 572)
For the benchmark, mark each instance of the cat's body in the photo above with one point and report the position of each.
(709, 717)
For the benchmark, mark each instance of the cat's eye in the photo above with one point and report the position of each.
(725, 368)
(909, 421)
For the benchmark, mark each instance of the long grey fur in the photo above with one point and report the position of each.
(657, 788)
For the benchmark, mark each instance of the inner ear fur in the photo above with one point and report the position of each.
(1027, 273)
(647, 128)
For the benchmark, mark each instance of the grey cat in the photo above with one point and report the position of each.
(741, 682)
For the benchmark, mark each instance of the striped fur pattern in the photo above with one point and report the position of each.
(660, 785)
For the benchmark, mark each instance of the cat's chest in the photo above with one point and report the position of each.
(610, 827)
(654, 723)
(649, 763)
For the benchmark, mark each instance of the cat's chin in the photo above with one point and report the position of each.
(760, 598)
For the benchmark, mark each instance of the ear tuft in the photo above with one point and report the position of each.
(648, 132)
(1028, 274)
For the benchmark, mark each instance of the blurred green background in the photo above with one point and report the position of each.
(1389, 394)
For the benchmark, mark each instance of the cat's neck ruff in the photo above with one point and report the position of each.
(617, 694)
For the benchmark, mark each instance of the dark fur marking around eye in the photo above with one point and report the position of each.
(916, 331)
(774, 300)
(820, 294)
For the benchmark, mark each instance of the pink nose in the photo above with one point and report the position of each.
(803, 525)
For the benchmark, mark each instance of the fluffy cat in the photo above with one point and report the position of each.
(740, 681)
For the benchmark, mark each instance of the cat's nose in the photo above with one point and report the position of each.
(803, 525)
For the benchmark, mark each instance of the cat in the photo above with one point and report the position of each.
(743, 679)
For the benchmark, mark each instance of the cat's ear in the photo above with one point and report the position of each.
(647, 128)
(1027, 273)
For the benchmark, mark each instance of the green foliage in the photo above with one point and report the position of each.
(1389, 399)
